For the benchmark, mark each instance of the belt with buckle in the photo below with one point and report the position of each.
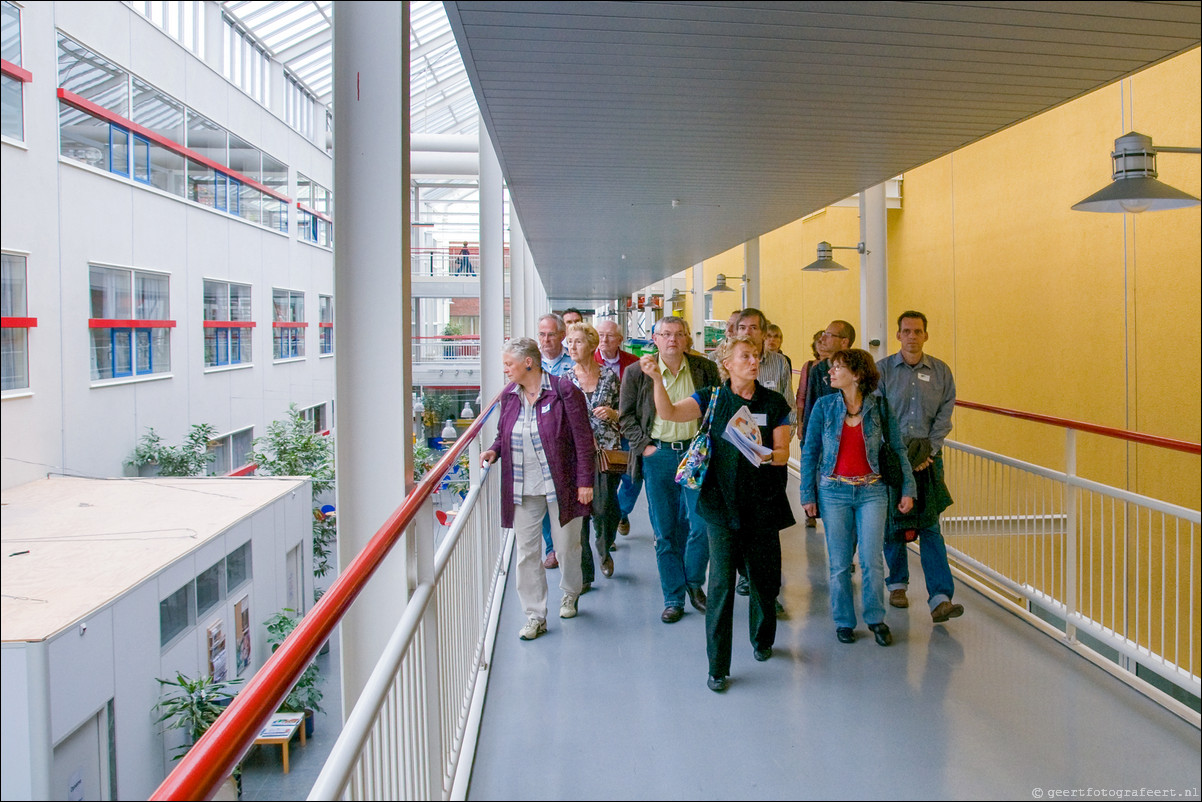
(675, 445)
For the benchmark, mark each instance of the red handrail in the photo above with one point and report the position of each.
(1106, 431)
(1093, 428)
(212, 759)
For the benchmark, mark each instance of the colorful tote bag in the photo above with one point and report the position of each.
(691, 472)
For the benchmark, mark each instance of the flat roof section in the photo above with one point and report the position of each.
(70, 546)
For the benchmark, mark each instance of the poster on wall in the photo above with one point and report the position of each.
(217, 665)
(242, 629)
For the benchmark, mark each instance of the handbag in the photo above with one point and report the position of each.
(691, 471)
(612, 460)
(888, 462)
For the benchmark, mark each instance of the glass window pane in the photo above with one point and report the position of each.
(14, 356)
(12, 109)
(12, 286)
(206, 138)
(159, 112)
(91, 77)
(216, 300)
(240, 448)
(10, 33)
(202, 185)
(245, 159)
(151, 300)
(141, 160)
(237, 567)
(83, 137)
(119, 150)
(240, 308)
(111, 293)
(211, 347)
(175, 614)
(142, 351)
(297, 304)
(160, 350)
(208, 587)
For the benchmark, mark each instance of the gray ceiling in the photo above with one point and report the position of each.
(753, 114)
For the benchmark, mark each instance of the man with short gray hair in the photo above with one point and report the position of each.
(551, 331)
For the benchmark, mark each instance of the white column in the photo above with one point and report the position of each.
(751, 271)
(518, 300)
(874, 308)
(214, 54)
(374, 457)
(492, 277)
(536, 296)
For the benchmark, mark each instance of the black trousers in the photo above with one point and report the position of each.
(602, 524)
(758, 552)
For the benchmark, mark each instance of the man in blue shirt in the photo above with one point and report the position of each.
(921, 394)
(551, 330)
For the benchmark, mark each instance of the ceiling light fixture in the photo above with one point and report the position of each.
(1133, 187)
(825, 264)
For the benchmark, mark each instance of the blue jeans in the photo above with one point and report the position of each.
(628, 491)
(850, 516)
(548, 547)
(932, 554)
(681, 545)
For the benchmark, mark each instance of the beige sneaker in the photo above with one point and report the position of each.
(534, 627)
(567, 608)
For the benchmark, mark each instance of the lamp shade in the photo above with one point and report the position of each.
(824, 263)
(1134, 187)
(721, 285)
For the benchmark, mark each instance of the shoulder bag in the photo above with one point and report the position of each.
(888, 462)
(691, 472)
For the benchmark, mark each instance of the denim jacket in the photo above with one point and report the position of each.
(823, 432)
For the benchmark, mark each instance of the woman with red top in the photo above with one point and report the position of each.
(840, 471)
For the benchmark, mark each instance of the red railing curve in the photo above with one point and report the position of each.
(206, 765)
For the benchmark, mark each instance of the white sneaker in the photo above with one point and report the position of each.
(534, 627)
(567, 607)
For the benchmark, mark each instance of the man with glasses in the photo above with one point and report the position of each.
(838, 336)
(551, 330)
(681, 544)
(921, 394)
(775, 373)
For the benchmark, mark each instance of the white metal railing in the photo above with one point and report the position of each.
(449, 348)
(1116, 566)
(441, 264)
(413, 730)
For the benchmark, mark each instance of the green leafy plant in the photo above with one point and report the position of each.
(292, 448)
(189, 459)
(305, 694)
(192, 705)
(439, 407)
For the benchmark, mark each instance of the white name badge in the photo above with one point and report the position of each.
(760, 418)
(926, 377)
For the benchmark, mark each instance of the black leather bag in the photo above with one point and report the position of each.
(888, 461)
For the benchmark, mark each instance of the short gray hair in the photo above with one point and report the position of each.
(559, 324)
(672, 320)
(523, 347)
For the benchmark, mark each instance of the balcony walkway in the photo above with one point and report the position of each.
(613, 704)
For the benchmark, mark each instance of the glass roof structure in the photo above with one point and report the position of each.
(298, 33)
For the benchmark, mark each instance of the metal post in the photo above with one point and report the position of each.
(1070, 535)
(371, 277)
(698, 323)
(423, 563)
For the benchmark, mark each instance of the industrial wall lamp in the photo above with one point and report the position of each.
(825, 264)
(1134, 187)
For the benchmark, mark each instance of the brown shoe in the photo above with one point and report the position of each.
(897, 598)
(945, 611)
(607, 565)
(624, 526)
(671, 615)
(696, 598)
(551, 561)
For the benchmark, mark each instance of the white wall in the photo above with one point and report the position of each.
(118, 657)
(67, 216)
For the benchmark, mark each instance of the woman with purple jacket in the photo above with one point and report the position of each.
(548, 460)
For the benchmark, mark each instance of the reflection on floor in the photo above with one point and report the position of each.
(613, 704)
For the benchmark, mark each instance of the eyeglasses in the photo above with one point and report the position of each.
(833, 335)
(671, 335)
(549, 335)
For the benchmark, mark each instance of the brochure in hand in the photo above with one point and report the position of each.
(743, 432)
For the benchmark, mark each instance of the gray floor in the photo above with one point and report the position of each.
(613, 704)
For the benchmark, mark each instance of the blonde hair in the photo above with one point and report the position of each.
(726, 348)
(590, 334)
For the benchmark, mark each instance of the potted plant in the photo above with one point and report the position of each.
(305, 695)
(193, 705)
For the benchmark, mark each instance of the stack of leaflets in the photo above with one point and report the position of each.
(743, 432)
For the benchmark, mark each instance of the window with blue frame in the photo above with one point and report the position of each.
(228, 324)
(288, 324)
(129, 327)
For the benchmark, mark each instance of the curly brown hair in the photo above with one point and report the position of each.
(862, 366)
(726, 348)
